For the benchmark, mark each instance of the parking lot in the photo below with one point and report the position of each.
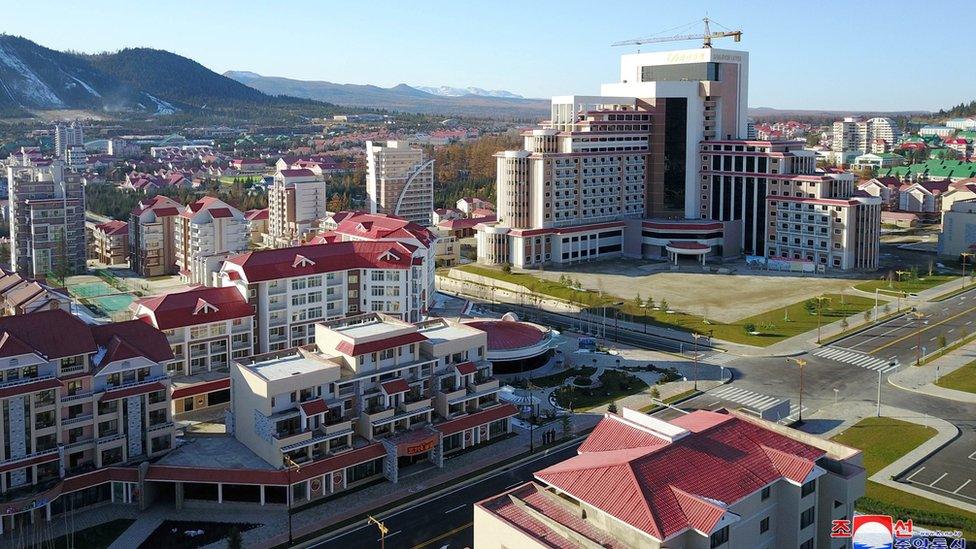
(952, 471)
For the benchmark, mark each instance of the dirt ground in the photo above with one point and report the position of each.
(721, 297)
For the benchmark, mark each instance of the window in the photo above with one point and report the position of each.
(808, 488)
(806, 517)
(808, 544)
(719, 537)
(765, 494)
(764, 525)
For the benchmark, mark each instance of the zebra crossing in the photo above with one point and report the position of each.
(753, 400)
(857, 359)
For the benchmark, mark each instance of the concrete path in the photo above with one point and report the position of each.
(921, 379)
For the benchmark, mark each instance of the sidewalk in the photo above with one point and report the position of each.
(834, 419)
(921, 379)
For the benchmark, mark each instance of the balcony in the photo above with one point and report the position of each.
(452, 394)
(109, 438)
(483, 386)
(82, 418)
(336, 426)
(290, 437)
(414, 405)
(375, 414)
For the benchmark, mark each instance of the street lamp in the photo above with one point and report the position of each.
(290, 463)
(918, 346)
(800, 363)
(379, 526)
(820, 299)
(531, 387)
(964, 256)
(696, 335)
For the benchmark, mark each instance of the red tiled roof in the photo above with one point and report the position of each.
(220, 213)
(356, 349)
(653, 488)
(312, 407)
(182, 308)
(32, 387)
(131, 391)
(466, 368)
(688, 245)
(263, 265)
(382, 227)
(129, 339)
(29, 461)
(506, 335)
(11, 346)
(395, 386)
(113, 227)
(201, 388)
(607, 436)
(478, 418)
(256, 215)
(302, 172)
(54, 334)
(466, 223)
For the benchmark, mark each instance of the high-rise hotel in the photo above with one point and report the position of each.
(659, 166)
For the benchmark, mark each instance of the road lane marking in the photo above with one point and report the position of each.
(389, 535)
(972, 456)
(936, 481)
(451, 510)
(929, 327)
(944, 490)
(514, 485)
(956, 491)
(444, 535)
(917, 471)
(872, 338)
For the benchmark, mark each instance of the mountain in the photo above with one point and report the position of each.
(449, 91)
(398, 98)
(139, 81)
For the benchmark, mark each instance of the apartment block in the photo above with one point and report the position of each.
(386, 393)
(207, 232)
(77, 397)
(296, 203)
(207, 329)
(110, 241)
(293, 288)
(67, 135)
(399, 181)
(642, 482)
(855, 135)
(152, 236)
(257, 225)
(47, 220)
(19, 295)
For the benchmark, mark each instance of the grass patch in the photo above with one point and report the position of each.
(615, 385)
(908, 284)
(671, 399)
(883, 440)
(171, 534)
(963, 379)
(96, 537)
(557, 379)
(772, 325)
(940, 352)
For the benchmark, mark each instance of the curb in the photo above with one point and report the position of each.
(950, 396)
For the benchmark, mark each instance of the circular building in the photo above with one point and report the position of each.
(515, 346)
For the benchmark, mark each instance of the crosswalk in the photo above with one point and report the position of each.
(753, 400)
(719, 358)
(857, 359)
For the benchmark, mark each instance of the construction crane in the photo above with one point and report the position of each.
(706, 37)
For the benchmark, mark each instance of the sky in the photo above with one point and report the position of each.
(828, 54)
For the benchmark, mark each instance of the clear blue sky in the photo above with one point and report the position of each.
(884, 55)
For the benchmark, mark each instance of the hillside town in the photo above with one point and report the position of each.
(650, 316)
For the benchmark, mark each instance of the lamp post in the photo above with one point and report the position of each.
(531, 387)
(290, 463)
(820, 299)
(918, 345)
(965, 255)
(696, 335)
(379, 526)
(800, 363)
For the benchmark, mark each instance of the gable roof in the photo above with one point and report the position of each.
(130, 339)
(54, 333)
(113, 227)
(184, 308)
(371, 226)
(664, 488)
(263, 265)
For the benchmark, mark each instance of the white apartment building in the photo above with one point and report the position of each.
(67, 135)
(961, 123)
(207, 232)
(47, 220)
(76, 158)
(854, 135)
(938, 131)
(407, 392)
(296, 203)
(207, 329)
(770, 486)
(399, 181)
(152, 236)
(958, 229)
(293, 288)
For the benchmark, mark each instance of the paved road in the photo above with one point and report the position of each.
(445, 522)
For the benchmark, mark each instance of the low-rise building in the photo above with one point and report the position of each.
(248, 165)
(111, 242)
(207, 232)
(901, 220)
(923, 197)
(152, 240)
(705, 479)
(257, 225)
(207, 329)
(958, 229)
(885, 188)
(19, 295)
(395, 392)
(447, 249)
(878, 161)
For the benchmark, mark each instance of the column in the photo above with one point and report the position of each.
(262, 494)
(47, 512)
(220, 492)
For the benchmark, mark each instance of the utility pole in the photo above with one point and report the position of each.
(381, 527)
(879, 388)
(918, 345)
(696, 335)
(291, 465)
(965, 255)
(800, 363)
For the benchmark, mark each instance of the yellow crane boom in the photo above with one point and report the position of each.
(706, 37)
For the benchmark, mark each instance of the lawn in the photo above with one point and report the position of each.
(908, 285)
(96, 537)
(557, 379)
(616, 385)
(772, 325)
(883, 440)
(963, 379)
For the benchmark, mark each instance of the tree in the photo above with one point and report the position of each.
(234, 539)
(844, 324)
(749, 328)
(868, 314)
(612, 407)
(567, 425)
(507, 268)
(942, 342)
(665, 305)
(649, 303)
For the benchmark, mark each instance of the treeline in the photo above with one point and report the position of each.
(468, 169)
(961, 110)
(110, 201)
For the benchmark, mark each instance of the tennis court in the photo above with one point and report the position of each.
(106, 298)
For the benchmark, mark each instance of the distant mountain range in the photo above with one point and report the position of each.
(425, 100)
(138, 81)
